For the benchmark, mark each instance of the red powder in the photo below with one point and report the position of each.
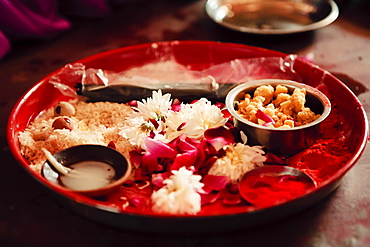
(328, 155)
(269, 190)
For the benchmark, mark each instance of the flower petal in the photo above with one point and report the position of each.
(135, 158)
(210, 198)
(149, 163)
(157, 179)
(158, 148)
(185, 160)
(219, 137)
(264, 117)
(212, 182)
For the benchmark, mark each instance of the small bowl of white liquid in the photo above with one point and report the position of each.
(91, 170)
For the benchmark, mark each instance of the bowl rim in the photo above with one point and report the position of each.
(100, 190)
(330, 18)
(230, 99)
(277, 170)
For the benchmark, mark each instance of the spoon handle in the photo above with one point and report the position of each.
(59, 167)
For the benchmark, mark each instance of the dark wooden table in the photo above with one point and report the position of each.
(30, 217)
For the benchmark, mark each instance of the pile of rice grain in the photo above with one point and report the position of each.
(93, 123)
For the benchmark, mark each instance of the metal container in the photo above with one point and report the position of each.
(281, 141)
(90, 152)
(272, 16)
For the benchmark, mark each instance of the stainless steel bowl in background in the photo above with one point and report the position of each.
(281, 141)
(272, 16)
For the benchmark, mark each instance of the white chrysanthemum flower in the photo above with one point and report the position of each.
(175, 125)
(180, 194)
(198, 117)
(133, 135)
(135, 129)
(138, 125)
(156, 106)
(204, 116)
(238, 160)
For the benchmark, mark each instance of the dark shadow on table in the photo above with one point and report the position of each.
(287, 43)
(357, 12)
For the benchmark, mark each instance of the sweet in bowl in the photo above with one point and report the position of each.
(284, 116)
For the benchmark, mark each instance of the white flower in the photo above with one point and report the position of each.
(155, 116)
(198, 117)
(238, 160)
(135, 130)
(175, 124)
(180, 194)
(138, 125)
(156, 106)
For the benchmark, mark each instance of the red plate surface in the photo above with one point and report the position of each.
(197, 55)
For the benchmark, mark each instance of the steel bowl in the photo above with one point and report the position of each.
(272, 16)
(90, 152)
(281, 141)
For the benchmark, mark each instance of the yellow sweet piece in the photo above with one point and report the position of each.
(286, 110)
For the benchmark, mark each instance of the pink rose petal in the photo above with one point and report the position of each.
(149, 162)
(186, 159)
(210, 198)
(264, 117)
(219, 137)
(135, 158)
(159, 148)
(212, 182)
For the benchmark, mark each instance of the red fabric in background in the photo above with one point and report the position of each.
(43, 19)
